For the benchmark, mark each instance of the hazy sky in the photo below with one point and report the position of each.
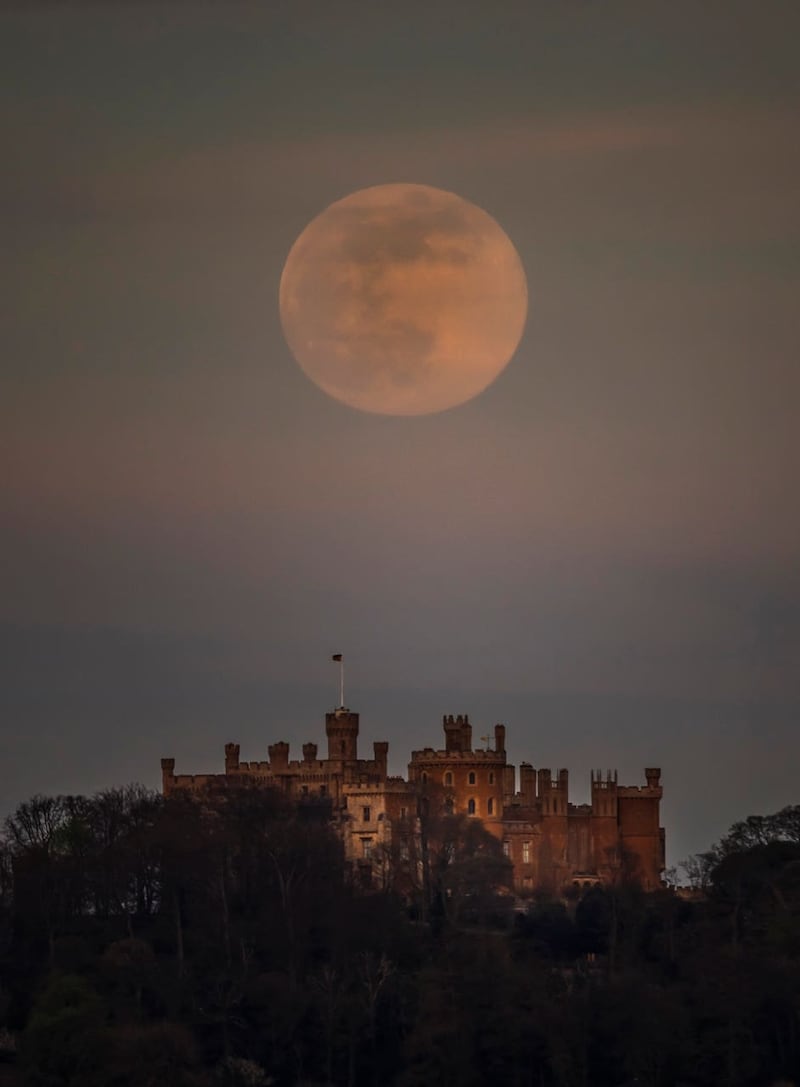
(602, 550)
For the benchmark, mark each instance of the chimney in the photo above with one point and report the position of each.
(500, 739)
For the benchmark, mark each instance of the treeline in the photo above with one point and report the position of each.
(146, 942)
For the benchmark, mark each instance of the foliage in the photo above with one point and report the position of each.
(219, 941)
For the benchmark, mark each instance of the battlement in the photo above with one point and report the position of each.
(482, 754)
(599, 782)
(293, 767)
(651, 789)
(633, 791)
(194, 781)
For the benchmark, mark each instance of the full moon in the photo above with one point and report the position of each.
(403, 300)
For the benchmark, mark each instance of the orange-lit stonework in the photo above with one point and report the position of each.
(554, 845)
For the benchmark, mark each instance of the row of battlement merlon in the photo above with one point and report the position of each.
(481, 754)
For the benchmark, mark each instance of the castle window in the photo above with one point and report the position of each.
(342, 746)
(448, 806)
(403, 813)
(490, 806)
(471, 778)
(471, 806)
(448, 778)
(323, 790)
(424, 778)
(526, 852)
(506, 848)
(366, 848)
(491, 777)
(366, 814)
(304, 790)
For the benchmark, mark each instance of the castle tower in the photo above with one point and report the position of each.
(167, 776)
(381, 749)
(231, 758)
(527, 784)
(341, 728)
(604, 794)
(457, 734)
(279, 757)
(554, 792)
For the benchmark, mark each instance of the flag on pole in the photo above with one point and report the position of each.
(336, 657)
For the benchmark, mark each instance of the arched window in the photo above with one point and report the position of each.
(490, 806)
(448, 778)
(471, 806)
(424, 778)
(471, 778)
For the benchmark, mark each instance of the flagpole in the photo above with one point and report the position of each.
(339, 659)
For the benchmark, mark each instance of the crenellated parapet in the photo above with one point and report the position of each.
(654, 792)
(479, 755)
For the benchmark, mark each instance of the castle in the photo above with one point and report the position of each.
(552, 844)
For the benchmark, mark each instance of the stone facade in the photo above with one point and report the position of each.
(553, 844)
